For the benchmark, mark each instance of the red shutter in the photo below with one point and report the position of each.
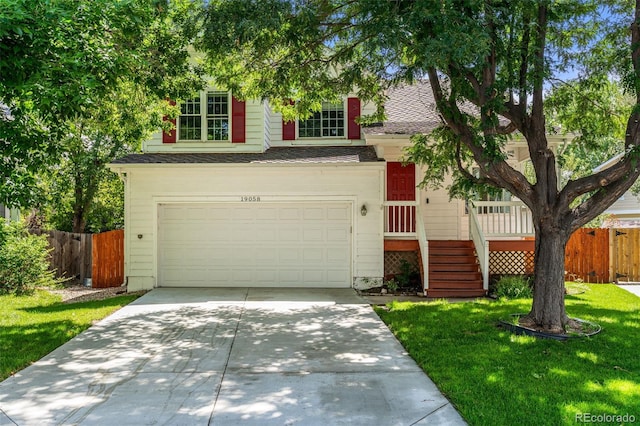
(353, 112)
(289, 129)
(169, 137)
(238, 120)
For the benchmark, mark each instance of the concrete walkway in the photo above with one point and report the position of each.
(631, 288)
(226, 357)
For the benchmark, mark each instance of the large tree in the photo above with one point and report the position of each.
(61, 61)
(489, 63)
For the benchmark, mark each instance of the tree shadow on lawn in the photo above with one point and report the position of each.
(494, 376)
(23, 344)
(92, 304)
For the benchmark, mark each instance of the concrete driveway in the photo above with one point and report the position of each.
(229, 356)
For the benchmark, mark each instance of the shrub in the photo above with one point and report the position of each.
(513, 287)
(409, 276)
(23, 260)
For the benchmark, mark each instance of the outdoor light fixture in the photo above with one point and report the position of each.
(363, 210)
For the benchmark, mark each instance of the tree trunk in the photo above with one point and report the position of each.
(79, 221)
(548, 310)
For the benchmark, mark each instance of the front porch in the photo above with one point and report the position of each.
(500, 234)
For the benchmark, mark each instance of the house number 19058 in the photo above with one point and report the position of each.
(249, 198)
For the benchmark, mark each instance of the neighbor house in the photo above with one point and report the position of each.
(235, 196)
(625, 212)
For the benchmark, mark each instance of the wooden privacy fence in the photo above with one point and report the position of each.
(625, 254)
(592, 255)
(99, 257)
(70, 255)
(108, 259)
(587, 256)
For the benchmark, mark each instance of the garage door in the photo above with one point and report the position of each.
(254, 244)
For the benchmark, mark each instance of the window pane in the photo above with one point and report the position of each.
(190, 122)
(217, 116)
(190, 127)
(218, 129)
(332, 123)
(310, 128)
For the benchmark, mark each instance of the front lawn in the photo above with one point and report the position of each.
(496, 378)
(32, 326)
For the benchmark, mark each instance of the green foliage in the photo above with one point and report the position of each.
(106, 211)
(61, 65)
(408, 274)
(24, 261)
(513, 287)
(494, 377)
(392, 285)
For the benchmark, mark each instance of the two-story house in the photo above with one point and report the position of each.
(235, 196)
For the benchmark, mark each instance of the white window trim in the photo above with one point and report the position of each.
(203, 116)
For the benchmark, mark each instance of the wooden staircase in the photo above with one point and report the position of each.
(454, 270)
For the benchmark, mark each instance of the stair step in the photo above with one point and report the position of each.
(458, 285)
(452, 251)
(455, 293)
(455, 276)
(450, 244)
(452, 267)
(468, 260)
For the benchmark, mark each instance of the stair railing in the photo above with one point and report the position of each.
(421, 235)
(481, 243)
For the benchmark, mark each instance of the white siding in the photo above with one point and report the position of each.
(443, 219)
(275, 125)
(627, 206)
(148, 187)
(255, 137)
(267, 125)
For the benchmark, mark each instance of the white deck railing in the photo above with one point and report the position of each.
(424, 249)
(482, 245)
(400, 218)
(502, 218)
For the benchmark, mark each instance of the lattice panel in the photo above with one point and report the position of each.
(510, 262)
(393, 260)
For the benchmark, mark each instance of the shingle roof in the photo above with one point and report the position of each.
(277, 155)
(410, 109)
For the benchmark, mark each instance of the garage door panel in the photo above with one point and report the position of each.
(337, 235)
(316, 213)
(289, 234)
(313, 255)
(315, 234)
(338, 213)
(255, 244)
(291, 213)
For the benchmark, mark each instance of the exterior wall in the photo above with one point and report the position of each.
(444, 219)
(275, 126)
(267, 125)
(147, 187)
(255, 137)
(626, 207)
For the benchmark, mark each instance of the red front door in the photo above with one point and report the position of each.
(401, 186)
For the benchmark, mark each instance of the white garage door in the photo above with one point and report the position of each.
(254, 244)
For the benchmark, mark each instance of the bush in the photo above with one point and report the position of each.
(23, 260)
(514, 287)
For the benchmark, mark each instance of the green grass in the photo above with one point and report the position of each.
(496, 378)
(32, 326)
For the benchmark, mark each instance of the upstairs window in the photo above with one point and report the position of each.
(330, 122)
(205, 118)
